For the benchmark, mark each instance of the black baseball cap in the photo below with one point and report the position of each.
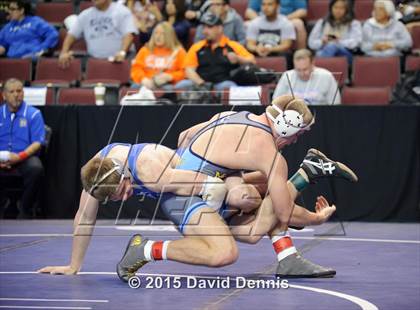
(210, 19)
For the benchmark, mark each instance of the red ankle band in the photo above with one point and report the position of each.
(282, 244)
(157, 250)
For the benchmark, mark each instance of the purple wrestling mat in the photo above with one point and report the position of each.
(378, 267)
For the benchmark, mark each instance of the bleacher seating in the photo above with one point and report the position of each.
(105, 72)
(366, 95)
(78, 48)
(412, 63)
(316, 9)
(376, 71)
(363, 9)
(371, 81)
(240, 6)
(15, 68)
(82, 96)
(54, 12)
(49, 72)
(337, 65)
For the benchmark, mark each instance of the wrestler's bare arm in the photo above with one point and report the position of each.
(257, 179)
(267, 160)
(157, 170)
(159, 176)
(83, 226)
(302, 217)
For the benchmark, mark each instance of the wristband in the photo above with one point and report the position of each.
(23, 155)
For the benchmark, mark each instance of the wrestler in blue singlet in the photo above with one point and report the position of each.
(178, 209)
(194, 162)
(139, 189)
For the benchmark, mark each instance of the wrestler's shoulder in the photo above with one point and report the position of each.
(222, 114)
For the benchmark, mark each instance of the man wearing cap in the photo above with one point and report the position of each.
(210, 61)
(22, 134)
(233, 24)
(228, 144)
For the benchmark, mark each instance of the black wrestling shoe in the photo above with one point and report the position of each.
(295, 266)
(317, 166)
(133, 258)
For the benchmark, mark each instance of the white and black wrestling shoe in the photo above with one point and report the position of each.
(317, 166)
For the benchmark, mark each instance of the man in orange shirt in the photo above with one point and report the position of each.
(210, 61)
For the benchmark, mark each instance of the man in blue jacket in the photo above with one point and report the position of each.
(26, 36)
(22, 134)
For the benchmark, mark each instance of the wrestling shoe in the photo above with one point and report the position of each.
(295, 266)
(133, 258)
(317, 166)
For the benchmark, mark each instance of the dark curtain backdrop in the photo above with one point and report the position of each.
(382, 144)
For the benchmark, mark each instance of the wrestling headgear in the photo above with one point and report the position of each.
(119, 167)
(290, 121)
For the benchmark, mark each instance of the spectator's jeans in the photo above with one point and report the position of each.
(32, 172)
(188, 84)
(165, 87)
(335, 49)
(387, 53)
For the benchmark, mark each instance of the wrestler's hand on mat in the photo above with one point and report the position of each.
(64, 270)
(214, 192)
(323, 210)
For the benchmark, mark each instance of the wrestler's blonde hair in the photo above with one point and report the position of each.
(93, 171)
(288, 102)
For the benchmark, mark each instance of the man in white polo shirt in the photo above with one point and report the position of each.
(317, 86)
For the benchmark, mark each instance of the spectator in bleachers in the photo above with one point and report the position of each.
(317, 86)
(270, 33)
(410, 10)
(174, 13)
(295, 10)
(107, 28)
(233, 24)
(338, 34)
(21, 136)
(159, 63)
(146, 13)
(26, 36)
(195, 9)
(211, 60)
(383, 35)
(4, 13)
